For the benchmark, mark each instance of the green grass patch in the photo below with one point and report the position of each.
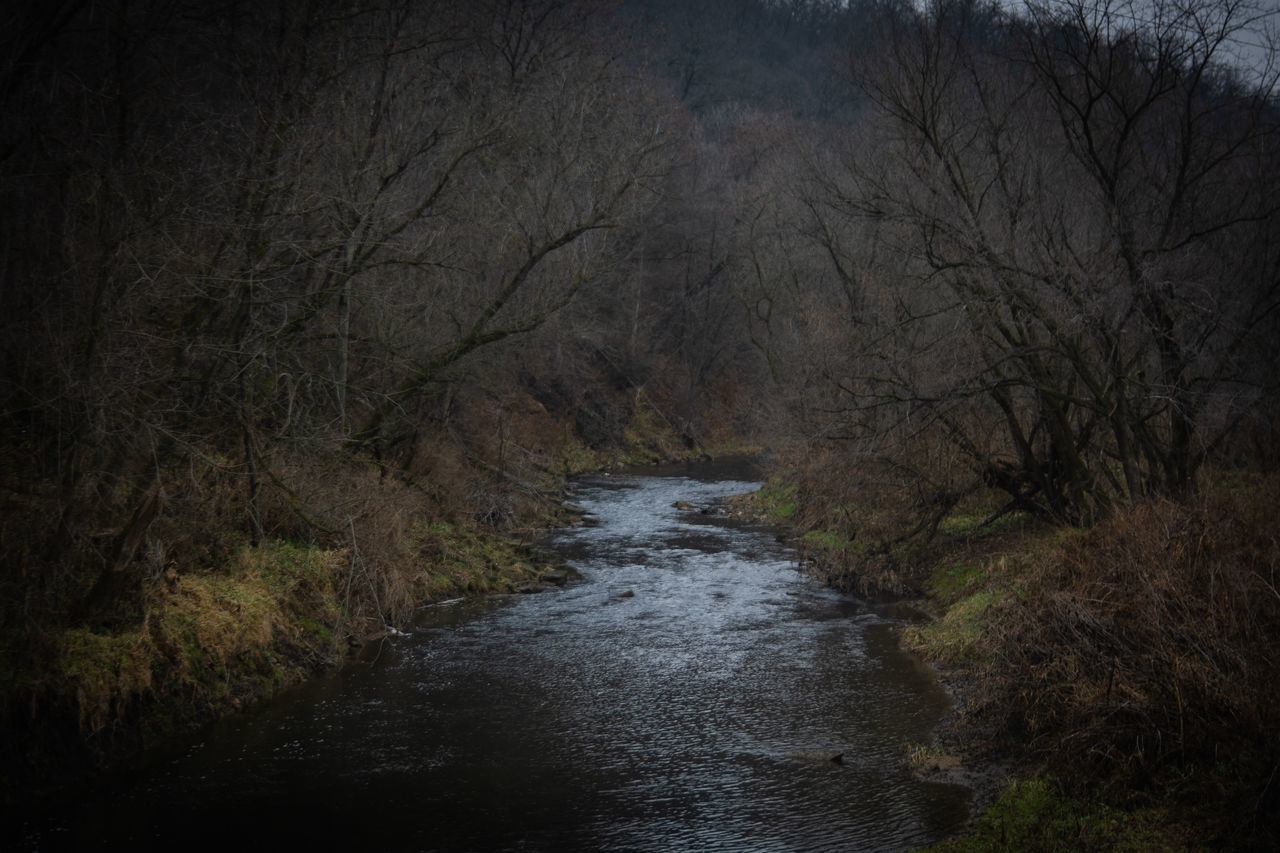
(958, 524)
(1034, 815)
(314, 626)
(103, 673)
(646, 439)
(951, 580)
(777, 500)
(209, 642)
(956, 638)
(824, 539)
(576, 459)
(460, 560)
(961, 523)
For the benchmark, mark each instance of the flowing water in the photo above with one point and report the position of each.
(663, 703)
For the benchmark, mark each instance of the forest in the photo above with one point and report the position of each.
(309, 310)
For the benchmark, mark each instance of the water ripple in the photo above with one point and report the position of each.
(651, 707)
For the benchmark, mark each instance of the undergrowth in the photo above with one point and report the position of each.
(1134, 665)
(1131, 665)
(208, 643)
(132, 630)
(871, 527)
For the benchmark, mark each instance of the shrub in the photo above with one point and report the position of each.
(1142, 656)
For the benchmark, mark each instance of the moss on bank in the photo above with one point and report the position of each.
(203, 644)
(773, 504)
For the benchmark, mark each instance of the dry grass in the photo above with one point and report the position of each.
(104, 646)
(1141, 656)
(210, 642)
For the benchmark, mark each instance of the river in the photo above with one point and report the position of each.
(659, 704)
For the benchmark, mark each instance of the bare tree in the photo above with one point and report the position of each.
(287, 242)
(1076, 209)
(579, 156)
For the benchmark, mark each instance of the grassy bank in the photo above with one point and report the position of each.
(210, 643)
(1128, 671)
(1125, 674)
(195, 621)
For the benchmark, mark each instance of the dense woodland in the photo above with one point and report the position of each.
(341, 289)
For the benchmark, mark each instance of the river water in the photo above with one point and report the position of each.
(662, 703)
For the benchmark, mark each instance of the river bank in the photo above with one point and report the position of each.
(1037, 633)
(1121, 676)
(198, 621)
(673, 699)
(212, 644)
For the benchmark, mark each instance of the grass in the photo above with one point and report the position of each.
(208, 643)
(459, 560)
(576, 459)
(103, 673)
(824, 540)
(777, 501)
(1035, 815)
(1132, 665)
(957, 638)
(979, 522)
(951, 579)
